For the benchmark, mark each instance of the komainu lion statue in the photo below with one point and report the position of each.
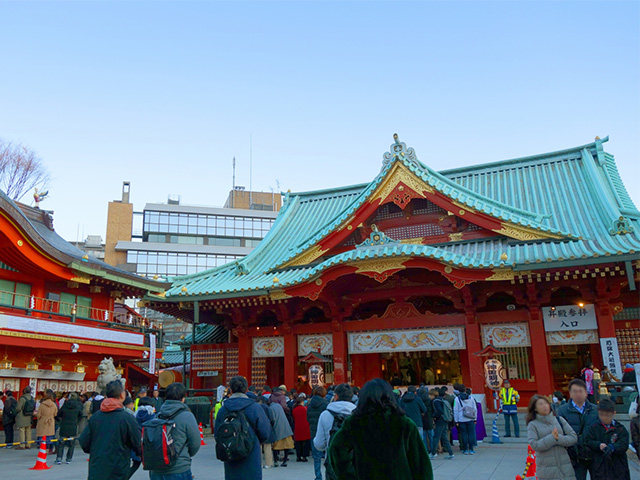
(107, 374)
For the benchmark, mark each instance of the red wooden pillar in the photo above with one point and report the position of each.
(604, 314)
(244, 353)
(290, 360)
(339, 354)
(540, 352)
(474, 374)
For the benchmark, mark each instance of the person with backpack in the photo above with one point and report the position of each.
(414, 407)
(580, 414)
(442, 415)
(9, 413)
(549, 436)
(332, 419)
(167, 456)
(69, 415)
(110, 436)
(26, 408)
(378, 441)
(146, 412)
(465, 414)
(241, 426)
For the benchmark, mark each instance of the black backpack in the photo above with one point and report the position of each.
(29, 407)
(158, 447)
(234, 437)
(338, 420)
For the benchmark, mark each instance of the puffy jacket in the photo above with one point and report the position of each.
(414, 407)
(580, 422)
(186, 434)
(109, 438)
(69, 415)
(316, 406)
(458, 404)
(552, 459)
(321, 440)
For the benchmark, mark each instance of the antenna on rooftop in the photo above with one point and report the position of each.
(250, 170)
(233, 190)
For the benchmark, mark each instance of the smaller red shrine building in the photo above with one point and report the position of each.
(414, 272)
(58, 313)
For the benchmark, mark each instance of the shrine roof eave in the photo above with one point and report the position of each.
(52, 245)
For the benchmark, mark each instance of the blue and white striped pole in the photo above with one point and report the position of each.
(495, 436)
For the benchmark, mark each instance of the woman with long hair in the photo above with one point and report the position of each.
(549, 436)
(378, 441)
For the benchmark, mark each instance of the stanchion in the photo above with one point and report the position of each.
(201, 435)
(495, 436)
(41, 461)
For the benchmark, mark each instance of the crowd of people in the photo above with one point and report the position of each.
(377, 432)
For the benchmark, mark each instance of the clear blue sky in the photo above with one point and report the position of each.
(164, 94)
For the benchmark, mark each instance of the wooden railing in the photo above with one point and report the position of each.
(46, 308)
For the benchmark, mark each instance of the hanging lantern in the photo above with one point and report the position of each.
(80, 368)
(56, 367)
(33, 365)
(6, 364)
(119, 369)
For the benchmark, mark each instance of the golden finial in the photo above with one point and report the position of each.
(504, 257)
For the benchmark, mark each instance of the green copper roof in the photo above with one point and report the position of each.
(576, 194)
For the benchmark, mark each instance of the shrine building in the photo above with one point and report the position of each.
(61, 311)
(411, 274)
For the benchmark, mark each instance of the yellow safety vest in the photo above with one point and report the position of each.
(509, 397)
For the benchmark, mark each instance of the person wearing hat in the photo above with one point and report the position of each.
(142, 393)
(629, 375)
(509, 398)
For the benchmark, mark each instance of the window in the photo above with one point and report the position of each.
(68, 300)
(12, 293)
(156, 238)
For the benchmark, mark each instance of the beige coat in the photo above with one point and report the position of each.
(552, 459)
(47, 412)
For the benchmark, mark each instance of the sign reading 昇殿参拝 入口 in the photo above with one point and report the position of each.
(569, 317)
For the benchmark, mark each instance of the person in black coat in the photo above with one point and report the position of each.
(69, 416)
(609, 442)
(414, 407)
(110, 437)
(580, 414)
(427, 417)
(9, 416)
(315, 407)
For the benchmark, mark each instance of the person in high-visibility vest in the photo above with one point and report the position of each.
(509, 398)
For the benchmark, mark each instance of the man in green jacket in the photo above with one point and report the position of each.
(186, 434)
(110, 437)
(26, 408)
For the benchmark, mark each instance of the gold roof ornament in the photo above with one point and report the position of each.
(504, 256)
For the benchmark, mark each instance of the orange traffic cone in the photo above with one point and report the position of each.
(201, 435)
(41, 462)
(530, 468)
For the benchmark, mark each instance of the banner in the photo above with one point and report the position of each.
(506, 335)
(569, 317)
(322, 343)
(268, 346)
(611, 356)
(152, 353)
(573, 337)
(446, 338)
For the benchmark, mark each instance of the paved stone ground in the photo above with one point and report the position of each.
(491, 462)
